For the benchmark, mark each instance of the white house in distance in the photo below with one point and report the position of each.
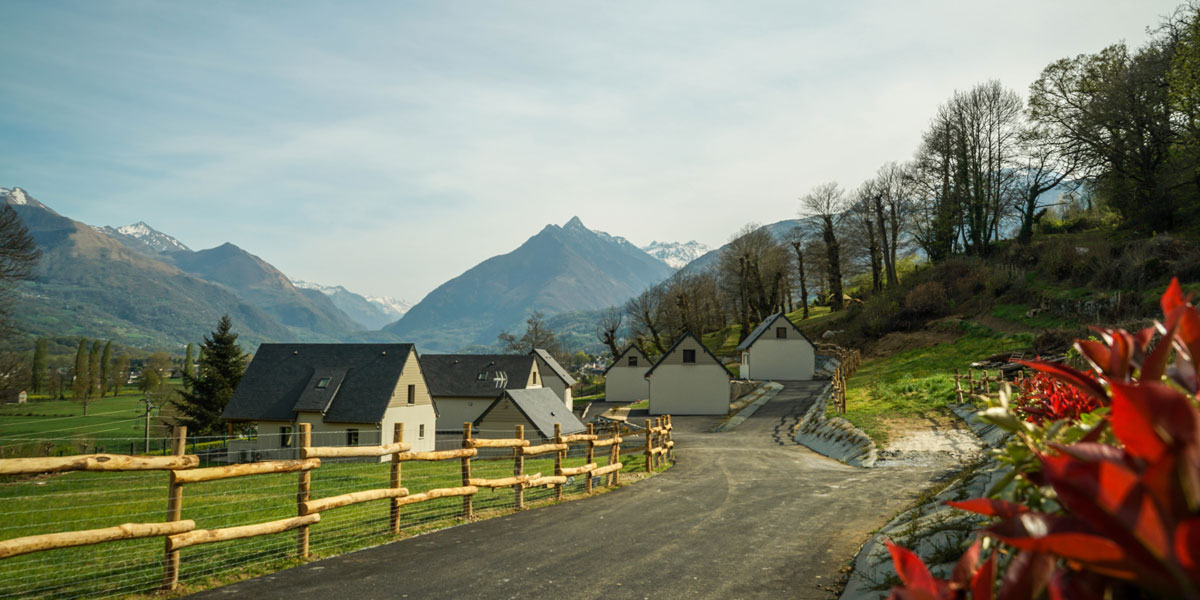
(537, 409)
(777, 350)
(689, 380)
(351, 394)
(554, 376)
(625, 378)
(465, 385)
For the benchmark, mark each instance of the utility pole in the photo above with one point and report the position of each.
(147, 401)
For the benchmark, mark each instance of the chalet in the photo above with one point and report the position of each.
(537, 409)
(464, 385)
(777, 350)
(689, 380)
(351, 394)
(554, 376)
(625, 378)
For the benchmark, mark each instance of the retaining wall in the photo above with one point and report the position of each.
(836, 438)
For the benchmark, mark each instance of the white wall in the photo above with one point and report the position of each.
(791, 359)
(559, 386)
(453, 412)
(623, 383)
(694, 389)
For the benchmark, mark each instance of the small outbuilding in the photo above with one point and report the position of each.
(464, 385)
(554, 376)
(625, 379)
(777, 350)
(351, 394)
(689, 380)
(537, 409)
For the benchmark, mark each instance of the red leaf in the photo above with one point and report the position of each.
(1076, 585)
(1187, 547)
(1173, 298)
(966, 567)
(990, 507)
(1070, 376)
(1092, 452)
(912, 570)
(1156, 363)
(983, 584)
(1151, 417)
(1096, 353)
(1026, 575)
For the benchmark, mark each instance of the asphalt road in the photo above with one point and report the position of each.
(743, 514)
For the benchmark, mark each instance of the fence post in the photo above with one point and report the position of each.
(303, 486)
(649, 446)
(671, 438)
(987, 382)
(958, 391)
(468, 508)
(591, 454)
(971, 380)
(614, 453)
(558, 460)
(174, 513)
(394, 515)
(519, 470)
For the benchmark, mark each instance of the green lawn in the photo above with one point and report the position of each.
(82, 500)
(111, 423)
(918, 383)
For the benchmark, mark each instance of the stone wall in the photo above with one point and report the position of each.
(836, 438)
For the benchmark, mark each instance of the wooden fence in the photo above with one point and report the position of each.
(981, 382)
(184, 471)
(848, 362)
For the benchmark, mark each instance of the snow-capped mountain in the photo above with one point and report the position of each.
(676, 254)
(372, 312)
(141, 234)
(18, 197)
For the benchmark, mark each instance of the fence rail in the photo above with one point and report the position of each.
(184, 473)
(848, 362)
(981, 384)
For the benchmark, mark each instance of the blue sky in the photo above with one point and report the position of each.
(390, 146)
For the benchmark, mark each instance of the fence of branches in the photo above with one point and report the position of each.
(59, 514)
(848, 362)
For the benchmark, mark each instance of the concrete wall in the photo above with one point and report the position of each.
(699, 389)
(792, 359)
(626, 384)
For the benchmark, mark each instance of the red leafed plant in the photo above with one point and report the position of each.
(1129, 490)
(1044, 398)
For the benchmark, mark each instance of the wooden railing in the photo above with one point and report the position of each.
(979, 384)
(848, 362)
(181, 533)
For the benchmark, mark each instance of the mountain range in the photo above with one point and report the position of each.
(146, 288)
(676, 254)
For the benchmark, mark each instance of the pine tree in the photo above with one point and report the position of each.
(94, 370)
(105, 367)
(188, 359)
(79, 380)
(38, 377)
(205, 394)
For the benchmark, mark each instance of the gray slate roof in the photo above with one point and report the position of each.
(766, 325)
(620, 359)
(676, 345)
(554, 366)
(543, 408)
(282, 379)
(456, 375)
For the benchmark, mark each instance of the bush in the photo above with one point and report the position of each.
(927, 299)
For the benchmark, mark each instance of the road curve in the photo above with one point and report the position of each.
(743, 514)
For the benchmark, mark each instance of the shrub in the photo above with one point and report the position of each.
(927, 299)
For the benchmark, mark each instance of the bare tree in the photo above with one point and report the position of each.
(537, 335)
(18, 258)
(827, 201)
(606, 330)
(796, 239)
(861, 225)
(646, 317)
(1042, 166)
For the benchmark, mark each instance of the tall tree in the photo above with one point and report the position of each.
(827, 202)
(105, 367)
(37, 377)
(646, 315)
(537, 335)
(863, 226)
(796, 241)
(120, 374)
(18, 258)
(608, 327)
(93, 365)
(79, 377)
(189, 359)
(205, 395)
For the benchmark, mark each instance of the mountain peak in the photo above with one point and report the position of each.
(155, 239)
(575, 223)
(18, 197)
(676, 254)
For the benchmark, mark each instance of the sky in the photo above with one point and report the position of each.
(389, 147)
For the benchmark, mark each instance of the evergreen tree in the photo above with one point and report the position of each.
(93, 389)
(205, 394)
(37, 379)
(105, 367)
(79, 379)
(188, 360)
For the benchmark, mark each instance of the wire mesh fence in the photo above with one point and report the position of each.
(37, 504)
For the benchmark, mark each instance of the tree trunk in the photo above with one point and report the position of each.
(835, 265)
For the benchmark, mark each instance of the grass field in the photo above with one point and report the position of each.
(81, 500)
(918, 383)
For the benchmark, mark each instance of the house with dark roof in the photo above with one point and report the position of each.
(777, 350)
(625, 378)
(464, 385)
(554, 376)
(537, 409)
(689, 380)
(351, 394)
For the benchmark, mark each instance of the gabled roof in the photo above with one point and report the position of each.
(554, 366)
(457, 375)
(619, 362)
(543, 408)
(765, 326)
(282, 379)
(671, 350)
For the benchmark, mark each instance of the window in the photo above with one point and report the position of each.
(421, 432)
(781, 333)
(535, 378)
(482, 376)
(633, 361)
(285, 437)
(322, 383)
(689, 357)
(412, 395)
(351, 437)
